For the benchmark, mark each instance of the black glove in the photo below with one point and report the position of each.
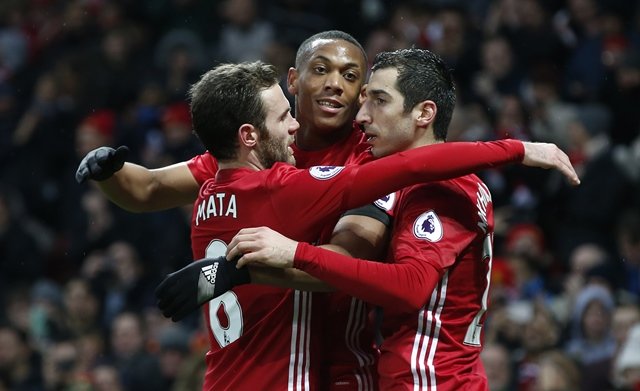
(183, 291)
(101, 163)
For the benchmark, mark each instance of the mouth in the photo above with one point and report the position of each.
(370, 137)
(330, 105)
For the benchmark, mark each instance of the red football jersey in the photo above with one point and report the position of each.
(441, 249)
(347, 336)
(350, 358)
(379, 177)
(449, 225)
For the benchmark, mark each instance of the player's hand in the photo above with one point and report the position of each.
(183, 291)
(262, 245)
(546, 155)
(101, 163)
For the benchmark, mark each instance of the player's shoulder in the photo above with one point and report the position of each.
(455, 191)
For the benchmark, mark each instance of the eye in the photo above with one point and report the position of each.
(380, 101)
(351, 76)
(320, 69)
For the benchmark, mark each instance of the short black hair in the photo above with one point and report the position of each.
(305, 47)
(422, 75)
(225, 98)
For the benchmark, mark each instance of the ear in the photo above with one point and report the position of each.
(427, 111)
(248, 135)
(292, 81)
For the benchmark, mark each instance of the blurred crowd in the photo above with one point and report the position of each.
(77, 273)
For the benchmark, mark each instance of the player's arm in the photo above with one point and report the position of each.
(405, 284)
(402, 285)
(139, 189)
(136, 188)
(333, 189)
(360, 233)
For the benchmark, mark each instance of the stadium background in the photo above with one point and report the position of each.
(77, 273)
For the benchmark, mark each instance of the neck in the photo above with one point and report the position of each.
(427, 138)
(313, 140)
(248, 160)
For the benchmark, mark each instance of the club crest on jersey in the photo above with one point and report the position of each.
(386, 202)
(325, 172)
(428, 226)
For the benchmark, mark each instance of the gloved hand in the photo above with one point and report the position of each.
(183, 291)
(101, 163)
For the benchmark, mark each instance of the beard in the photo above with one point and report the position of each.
(270, 151)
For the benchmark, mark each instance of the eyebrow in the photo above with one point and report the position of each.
(284, 113)
(323, 58)
(378, 92)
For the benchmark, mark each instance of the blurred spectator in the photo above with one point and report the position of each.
(245, 36)
(622, 96)
(550, 115)
(46, 316)
(586, 213)
(106, 378)
(557, 372)
(580, 28)
(60, 371)
(540, 334)
(23, 242)
(591, 341)
(123, 278)
(499, 74)
(138, 369)
(583, 258)
(13, 43)
(627, 365)
(456, 41)
(82, 308)
(177, 141)
(624, 318)
(180, 59)
(628, 244)
(19, 365)
(174, 353)
(497, 363)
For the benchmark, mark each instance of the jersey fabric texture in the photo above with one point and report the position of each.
(312, 199)
(434, 290)
(349, 358)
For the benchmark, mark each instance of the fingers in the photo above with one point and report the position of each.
(246, 240)
(122, 152)
(547, 155)
(563, 164)
(245, 260)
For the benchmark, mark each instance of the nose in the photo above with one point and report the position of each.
(295, 125)
(363, 116)
(333, 81)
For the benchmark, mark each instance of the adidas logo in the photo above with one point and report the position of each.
(209, 272)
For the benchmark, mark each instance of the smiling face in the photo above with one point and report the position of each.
(327, 84)
(388, 127)
(280, 126)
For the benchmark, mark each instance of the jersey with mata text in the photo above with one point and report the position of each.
(448, 224)
(262, 336)
(350, 358)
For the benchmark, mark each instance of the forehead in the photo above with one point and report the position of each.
(275, 103)
(336, 50)
(384, 81)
